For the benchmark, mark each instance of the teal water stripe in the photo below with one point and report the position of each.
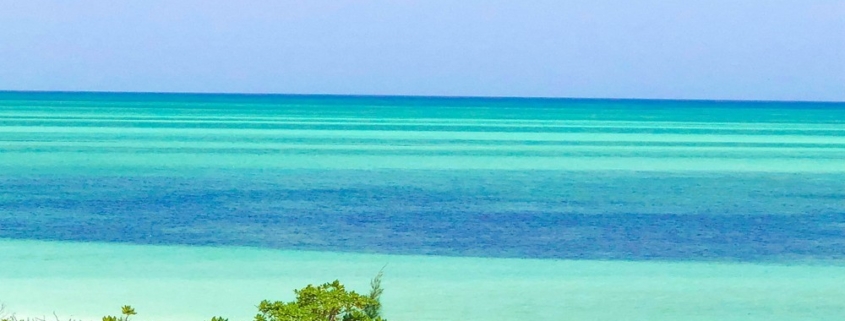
(22, 139)
(200, 132)
(417, 151)
(419, 126)
(13, 162)
(111, 116)
(377, 144)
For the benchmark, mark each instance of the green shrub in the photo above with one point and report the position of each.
(373, 310)
(126, 312)
(326, 302)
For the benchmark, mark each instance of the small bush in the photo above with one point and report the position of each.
(326, 302)
(126, 312)
(373, 310)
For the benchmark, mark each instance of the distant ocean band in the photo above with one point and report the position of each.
(499, 177)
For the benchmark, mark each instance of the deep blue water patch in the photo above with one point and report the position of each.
(524, 214)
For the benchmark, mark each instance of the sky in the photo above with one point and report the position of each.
(664, 49)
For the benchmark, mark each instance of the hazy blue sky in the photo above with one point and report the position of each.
(712, 49)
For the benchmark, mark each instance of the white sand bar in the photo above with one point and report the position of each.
(86, 280)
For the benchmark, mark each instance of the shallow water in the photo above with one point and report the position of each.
(179, 283)
(614, 209)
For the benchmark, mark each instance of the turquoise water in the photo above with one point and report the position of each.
(88, 280)
(515, 208)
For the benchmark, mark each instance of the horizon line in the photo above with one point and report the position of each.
(417, 96)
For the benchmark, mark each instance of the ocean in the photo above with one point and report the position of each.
(193, 205)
